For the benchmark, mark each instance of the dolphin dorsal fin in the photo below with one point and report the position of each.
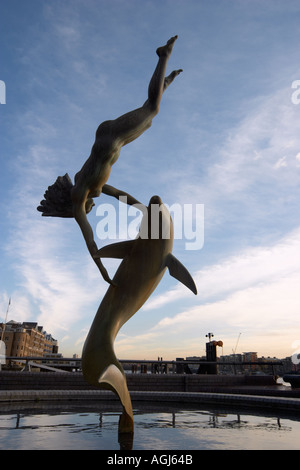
(179, 272)
(116, 250)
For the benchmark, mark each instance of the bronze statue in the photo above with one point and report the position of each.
(144, 260)
(63, 199)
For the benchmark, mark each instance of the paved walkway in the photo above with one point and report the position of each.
(262, 401)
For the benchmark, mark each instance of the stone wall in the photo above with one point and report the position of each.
(136, 382)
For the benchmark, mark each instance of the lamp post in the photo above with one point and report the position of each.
(211, 354)
(209, 335)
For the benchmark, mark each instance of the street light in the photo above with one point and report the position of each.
(209, 335)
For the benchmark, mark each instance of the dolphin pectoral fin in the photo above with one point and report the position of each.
(115, 250)
(117, 383)
(179, 272)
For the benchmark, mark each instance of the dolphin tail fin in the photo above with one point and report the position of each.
(179, 272)
(113, 377)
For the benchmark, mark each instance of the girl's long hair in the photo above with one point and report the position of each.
(58, 201)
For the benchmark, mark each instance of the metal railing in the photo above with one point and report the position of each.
(160, 366)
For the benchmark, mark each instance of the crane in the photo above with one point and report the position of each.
(234, 350)
(3, 329)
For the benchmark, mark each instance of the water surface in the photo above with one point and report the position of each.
(95, 427)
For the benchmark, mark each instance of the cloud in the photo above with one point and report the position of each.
(251, 308)
(19, 308)
(255, 292)
(247, 269)
(241, 166)
(65, 338)
(280, 163)
(266, 315)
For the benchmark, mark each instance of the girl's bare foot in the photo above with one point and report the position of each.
(169, 79)
(166, 50)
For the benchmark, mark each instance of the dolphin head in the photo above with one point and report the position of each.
(156, 222)
(155, 200)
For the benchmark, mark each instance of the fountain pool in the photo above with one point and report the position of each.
(61, 426)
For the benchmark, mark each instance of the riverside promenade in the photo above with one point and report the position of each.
(232, 390)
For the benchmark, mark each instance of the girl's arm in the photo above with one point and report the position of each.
(87, 232)
(117, 193)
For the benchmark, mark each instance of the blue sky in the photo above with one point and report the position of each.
(226, 137)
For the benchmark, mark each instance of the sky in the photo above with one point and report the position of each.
(224, 148)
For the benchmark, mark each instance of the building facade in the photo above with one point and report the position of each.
(26, 339)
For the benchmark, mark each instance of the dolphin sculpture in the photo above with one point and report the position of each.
(145, 261)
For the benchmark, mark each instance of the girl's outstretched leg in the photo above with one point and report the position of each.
(157, 82)
(130, 126)
(169, 79)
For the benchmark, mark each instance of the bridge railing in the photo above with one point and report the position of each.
(146, 366)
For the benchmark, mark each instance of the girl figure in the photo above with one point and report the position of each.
(63, 199)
